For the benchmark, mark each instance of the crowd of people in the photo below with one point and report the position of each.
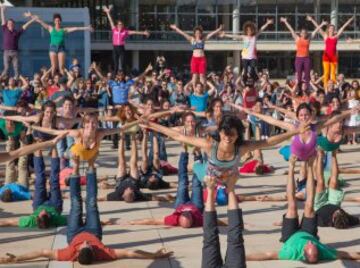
(222, 120)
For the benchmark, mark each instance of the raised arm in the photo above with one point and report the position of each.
(266, 118)
(212, 90)
(198, 142)
(148, 69)
(43, 24)
(211, 34)
(107, 11)
(73, 29)
(25, 83)
(2, 11)
(294, 35)
(140, 254)
(97, 70)
(176, 29)
(27, 24)
(311, 19)
(346, 24)
(263, 256)
(318, 28)
(268, 22)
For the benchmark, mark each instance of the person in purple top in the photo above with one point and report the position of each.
(10, 42)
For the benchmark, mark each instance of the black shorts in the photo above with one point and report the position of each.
(291, 226)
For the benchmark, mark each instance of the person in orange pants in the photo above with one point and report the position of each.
(330, 58)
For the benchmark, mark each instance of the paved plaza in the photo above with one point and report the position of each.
(260, 234)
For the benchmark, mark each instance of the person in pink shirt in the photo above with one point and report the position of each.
(119, 34)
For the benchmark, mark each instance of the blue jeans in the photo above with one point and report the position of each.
(162, 147)
(92, 223)
(63, 148)
(182, 196)
(41, 197)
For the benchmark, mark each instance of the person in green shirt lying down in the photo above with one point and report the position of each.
(301, 242)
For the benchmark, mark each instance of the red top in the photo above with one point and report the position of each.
(51, 90)
(249, 98)
(173, 219)
(101, 253)
(330, 53)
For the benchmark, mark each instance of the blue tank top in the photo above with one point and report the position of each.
(198, 44)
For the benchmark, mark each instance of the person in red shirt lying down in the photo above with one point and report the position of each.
(84, 239)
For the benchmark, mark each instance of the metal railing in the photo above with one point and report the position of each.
(166, 36)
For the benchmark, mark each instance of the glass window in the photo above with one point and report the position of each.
(207, 22)
(206, 6)
(186, 22)
(226, 20)
(270, 9)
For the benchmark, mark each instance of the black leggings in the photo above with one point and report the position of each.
(235, 253)
(250, 69)
(119, 58)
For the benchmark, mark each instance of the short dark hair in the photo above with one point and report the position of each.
(57, 16)
(86, 256)
(43, 222)
(69, 98)
(6, 196)
(341, 219)
(303, 105)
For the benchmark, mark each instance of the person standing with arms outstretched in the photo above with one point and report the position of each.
(330, 58)
(198, 59)
(11, 42)
(57, 40)
(249, 52)
(119, 34)
(302, 41)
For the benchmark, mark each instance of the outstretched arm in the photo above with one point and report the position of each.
(71, 132)
(266, 118)
(198, 142)
(346, 24)
(140, 254)
(45, 253)
(73, 29)
(179, 31)
(233, 36)
(294, 35)
(144, 33)
(211, 34)
(268, 22)
(149, 221)
(250, 146)
(9, 222)
(28, 23)
(338, 118)
(28, 149)
(262, 256)
(148, 69)
(107, 11)
(344, 255)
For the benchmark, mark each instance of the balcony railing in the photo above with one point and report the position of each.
(166, 36)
